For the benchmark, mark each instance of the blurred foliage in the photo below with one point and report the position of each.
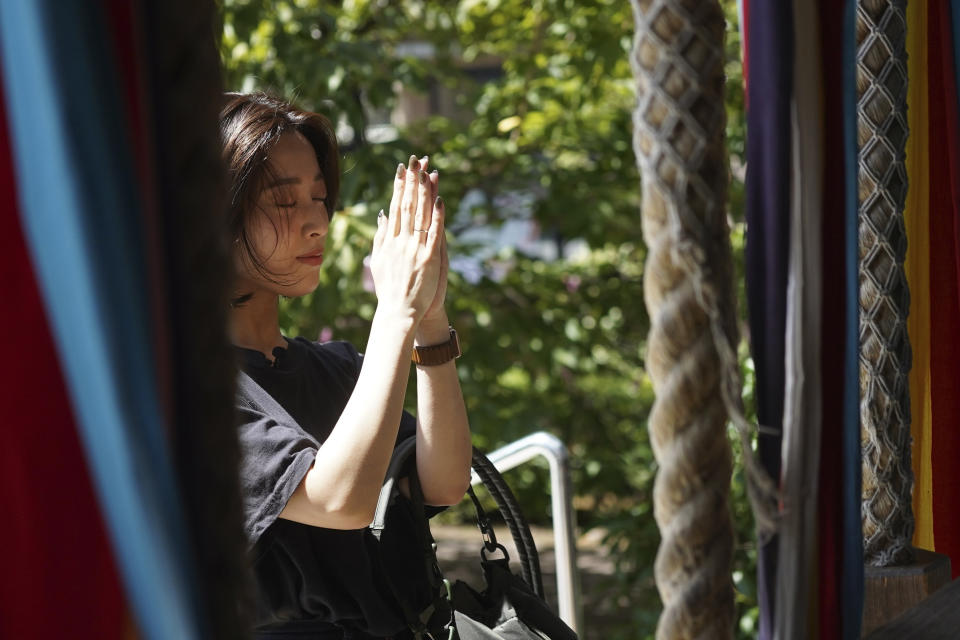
(553, 345)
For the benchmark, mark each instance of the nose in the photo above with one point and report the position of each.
(317, 221)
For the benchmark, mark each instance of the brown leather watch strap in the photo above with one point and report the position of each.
(438, 353)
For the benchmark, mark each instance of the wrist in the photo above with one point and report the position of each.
(433, 330)
(399, 324)
(438, 354)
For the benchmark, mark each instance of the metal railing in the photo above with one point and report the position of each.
(552, 448)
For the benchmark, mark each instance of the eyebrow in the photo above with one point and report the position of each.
(285, 181)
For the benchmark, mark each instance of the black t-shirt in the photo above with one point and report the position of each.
(308, 579)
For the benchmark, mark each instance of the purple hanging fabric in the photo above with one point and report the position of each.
(770, 60)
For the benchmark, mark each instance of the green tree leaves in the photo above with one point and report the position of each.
(538, 136)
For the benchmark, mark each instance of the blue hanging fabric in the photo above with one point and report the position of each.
(852, 586)
(81, 218)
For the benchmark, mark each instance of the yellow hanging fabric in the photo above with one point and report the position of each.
(916, 218)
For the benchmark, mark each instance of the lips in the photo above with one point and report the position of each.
(314, 259)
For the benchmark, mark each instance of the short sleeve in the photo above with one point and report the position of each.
(275, 457)
(348, 353)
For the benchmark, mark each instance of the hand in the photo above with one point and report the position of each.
(407, 258)
(436, 310)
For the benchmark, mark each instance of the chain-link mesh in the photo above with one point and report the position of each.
(885, 356)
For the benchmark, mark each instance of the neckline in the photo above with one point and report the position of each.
(284, 358)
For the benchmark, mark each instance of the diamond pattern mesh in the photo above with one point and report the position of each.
(885, 356)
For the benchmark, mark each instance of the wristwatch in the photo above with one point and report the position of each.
(438, 353)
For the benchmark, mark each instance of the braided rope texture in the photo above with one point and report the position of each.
(679, 143)
(885, 355)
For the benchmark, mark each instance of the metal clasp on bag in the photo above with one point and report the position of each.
(450, 626)
(489, 537)
(497, 547)
(483, 523)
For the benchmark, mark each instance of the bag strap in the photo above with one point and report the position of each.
(401, 454)
(486, 528)
(418, 622)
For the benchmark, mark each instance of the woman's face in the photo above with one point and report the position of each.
(288, 228)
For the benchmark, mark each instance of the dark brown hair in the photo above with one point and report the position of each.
(250, 124)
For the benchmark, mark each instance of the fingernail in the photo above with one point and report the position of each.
(438, 203)
(423, 177)
(434, 173)
(414, 163)
(424, 159)
(379, 215)
(400, 169)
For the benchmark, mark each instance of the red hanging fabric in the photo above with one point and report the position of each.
(59, 580)
(944, 286)
(833, 323)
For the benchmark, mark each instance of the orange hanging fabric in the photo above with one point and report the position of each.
(916, 216)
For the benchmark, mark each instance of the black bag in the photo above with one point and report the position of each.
(426, 617)
(509, 608)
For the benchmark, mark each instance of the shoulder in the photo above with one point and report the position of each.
(338, 354)
(250, 396)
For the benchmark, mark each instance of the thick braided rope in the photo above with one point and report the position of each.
(679, 143)
(885, 356)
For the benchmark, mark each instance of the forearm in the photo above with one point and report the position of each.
(350, 466)
(408, 266)
(444, 449)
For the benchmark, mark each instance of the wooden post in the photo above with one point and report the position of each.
(890, 591)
